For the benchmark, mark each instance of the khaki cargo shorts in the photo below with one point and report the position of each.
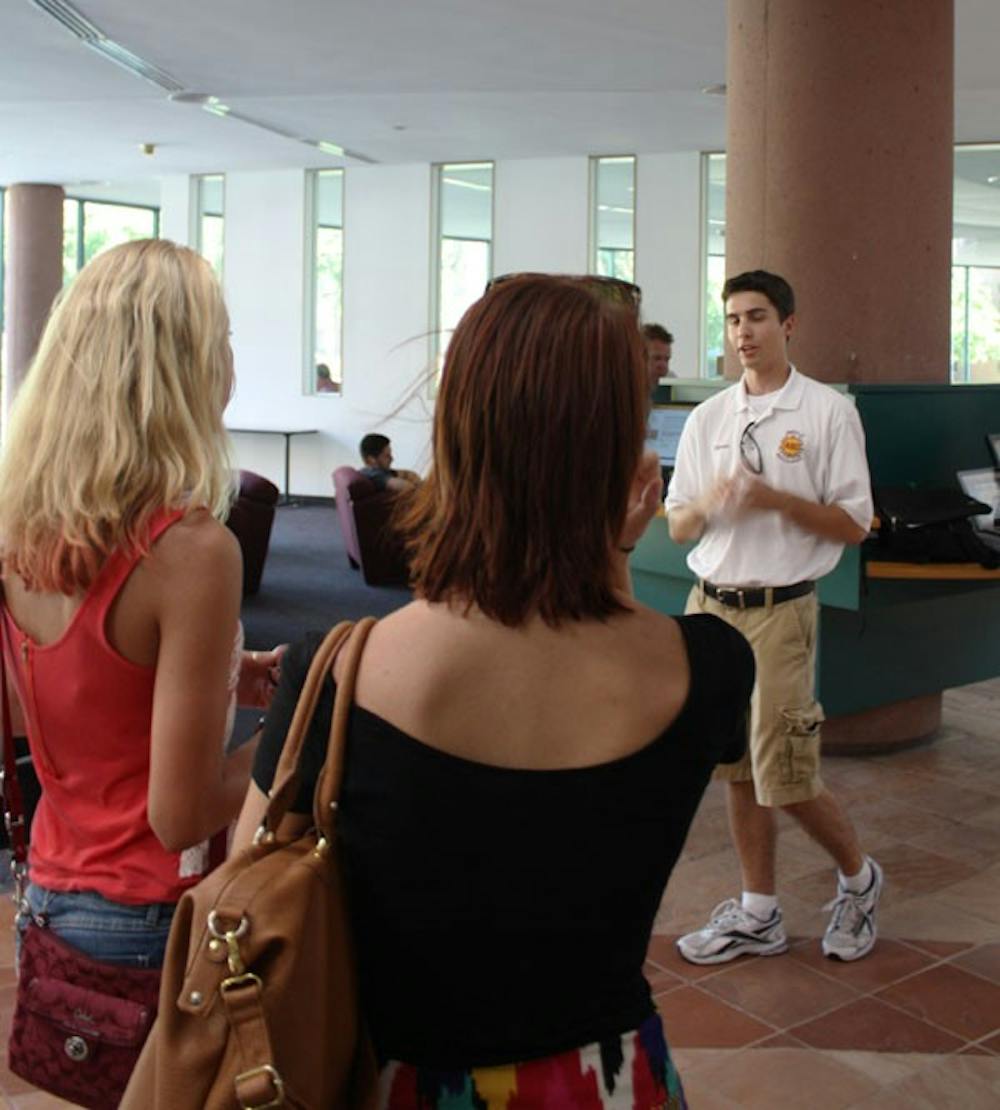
(785, 718)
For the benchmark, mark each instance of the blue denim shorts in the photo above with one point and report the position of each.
(132, 936)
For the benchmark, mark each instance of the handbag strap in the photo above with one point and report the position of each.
(332, 775)
(13, 803)
(286, 775)
(258, 1082)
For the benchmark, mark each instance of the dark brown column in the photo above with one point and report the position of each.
(839, 177)
(34, 272)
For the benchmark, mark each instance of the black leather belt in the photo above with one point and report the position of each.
(754, 597)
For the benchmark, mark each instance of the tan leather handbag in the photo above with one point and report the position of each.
(258, 1002)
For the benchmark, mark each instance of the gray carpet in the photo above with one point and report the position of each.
(308, 584)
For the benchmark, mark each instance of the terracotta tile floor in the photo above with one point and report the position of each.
(915, 1025)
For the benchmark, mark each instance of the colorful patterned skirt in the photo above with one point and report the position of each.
(632, 1071)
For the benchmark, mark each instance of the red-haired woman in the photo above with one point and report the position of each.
(528, 744)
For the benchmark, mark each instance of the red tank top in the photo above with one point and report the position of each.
(89, 713)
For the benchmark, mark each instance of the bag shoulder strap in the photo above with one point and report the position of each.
(286, 775)
(330, 778)
(13, 803)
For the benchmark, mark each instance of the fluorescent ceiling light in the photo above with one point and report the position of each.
(81, 28)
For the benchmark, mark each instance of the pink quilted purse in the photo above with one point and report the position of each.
(79, 1024)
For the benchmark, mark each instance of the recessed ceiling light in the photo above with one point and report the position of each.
(993, 179)
(714, 90)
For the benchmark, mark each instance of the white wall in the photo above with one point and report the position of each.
(540, 215)
(175, 209)
(668, 250)
(540, 223)
(386, 276)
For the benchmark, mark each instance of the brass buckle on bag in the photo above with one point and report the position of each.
(276, 1081)
(234, 982)
(232, 939)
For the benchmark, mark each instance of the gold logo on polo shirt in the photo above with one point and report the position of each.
(791, 446)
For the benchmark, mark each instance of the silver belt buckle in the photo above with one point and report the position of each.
(724, 592)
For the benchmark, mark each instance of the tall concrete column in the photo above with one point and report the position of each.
(839, 176)
(34, 273)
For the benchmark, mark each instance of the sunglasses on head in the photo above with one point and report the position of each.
(611, 288)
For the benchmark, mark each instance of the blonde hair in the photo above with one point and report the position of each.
(120, 414)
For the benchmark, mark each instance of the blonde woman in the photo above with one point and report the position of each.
(121, 597)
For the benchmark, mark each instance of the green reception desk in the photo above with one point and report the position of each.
(892, 636)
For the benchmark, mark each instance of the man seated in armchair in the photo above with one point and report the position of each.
(376, 454)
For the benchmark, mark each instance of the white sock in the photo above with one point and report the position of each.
(859, 883)
(762, 906)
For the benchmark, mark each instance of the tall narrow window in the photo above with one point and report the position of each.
(713, 180)
(612, 222)
(92, 226)
(463, 244)
(210, 215)
(975, 285)
(325, 200)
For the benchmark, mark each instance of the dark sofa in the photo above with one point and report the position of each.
(365, 524)
(250, 519)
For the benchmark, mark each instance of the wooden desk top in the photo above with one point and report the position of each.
(932, 571)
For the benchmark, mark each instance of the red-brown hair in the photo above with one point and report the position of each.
(538, 432)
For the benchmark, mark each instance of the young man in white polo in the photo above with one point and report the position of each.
(772, 481)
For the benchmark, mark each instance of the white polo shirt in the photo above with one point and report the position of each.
(811, 445)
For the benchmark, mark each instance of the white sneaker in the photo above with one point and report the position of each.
(852, 932)
(732, 932)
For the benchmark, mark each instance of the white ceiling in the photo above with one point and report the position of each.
(396, 80)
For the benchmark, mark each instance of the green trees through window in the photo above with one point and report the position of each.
(975, 275)
(91, 226)
(324, 370)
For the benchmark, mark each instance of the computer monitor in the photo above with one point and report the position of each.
(993, 442)
(984, 486)
(663, 431)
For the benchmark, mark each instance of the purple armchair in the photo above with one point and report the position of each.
(369, 538)
(250, 520)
